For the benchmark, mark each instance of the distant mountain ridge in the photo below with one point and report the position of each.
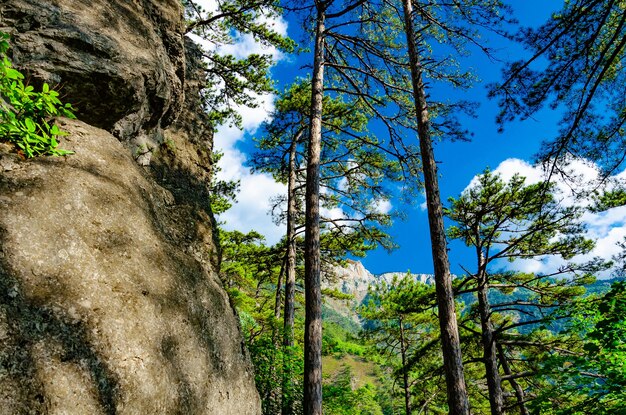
(354, 279)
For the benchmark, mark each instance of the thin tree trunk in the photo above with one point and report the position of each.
(273, 393)
(490, 358)
(290, 283)
(313, 293)
(519, 392)
(279, 287)
(405, 371)
(452, 360)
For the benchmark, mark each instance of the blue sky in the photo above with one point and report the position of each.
(508, 152)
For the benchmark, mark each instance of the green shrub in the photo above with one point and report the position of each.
(27, 116)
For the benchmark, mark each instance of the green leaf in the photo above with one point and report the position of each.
(30, 125)
(13, 74)
(25, 112)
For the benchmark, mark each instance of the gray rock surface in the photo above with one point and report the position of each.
(120, 63)
(354, 279)
(106, 303)
(182, 162)
(109, 300)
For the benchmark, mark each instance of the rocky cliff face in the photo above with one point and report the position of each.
(355, 279)
(109, 301)
(121, 63)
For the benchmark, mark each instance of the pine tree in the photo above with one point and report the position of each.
(454, 24)
(247, 270)
(366, 58)
(352, 173)
(577, 63)
(397, 329)
(513, 221)
(590, 381)
(457, 395)
(233, 82)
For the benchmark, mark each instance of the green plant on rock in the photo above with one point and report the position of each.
(26, 116)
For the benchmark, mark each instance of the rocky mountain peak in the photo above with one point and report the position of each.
(355, 279)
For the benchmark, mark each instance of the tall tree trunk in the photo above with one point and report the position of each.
(277, 309)
(490, 358)
(290, 283)
(405, 370)
(452, 360)
(519, 392)
(313, 292)
(279, 287)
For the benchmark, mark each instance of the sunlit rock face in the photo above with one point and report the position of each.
(109, 298)
(105, 306)
(354, 279)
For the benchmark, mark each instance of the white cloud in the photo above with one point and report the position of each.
(332, 214)
(606, 228)
(343, 184)
(510, 167)
(244, 44)
(383, 206)
(276, 23)
(251, 212)
(583, 175)
(209, 6)
(253, 117)
(529, 266)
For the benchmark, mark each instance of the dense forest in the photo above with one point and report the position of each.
(358, 126)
